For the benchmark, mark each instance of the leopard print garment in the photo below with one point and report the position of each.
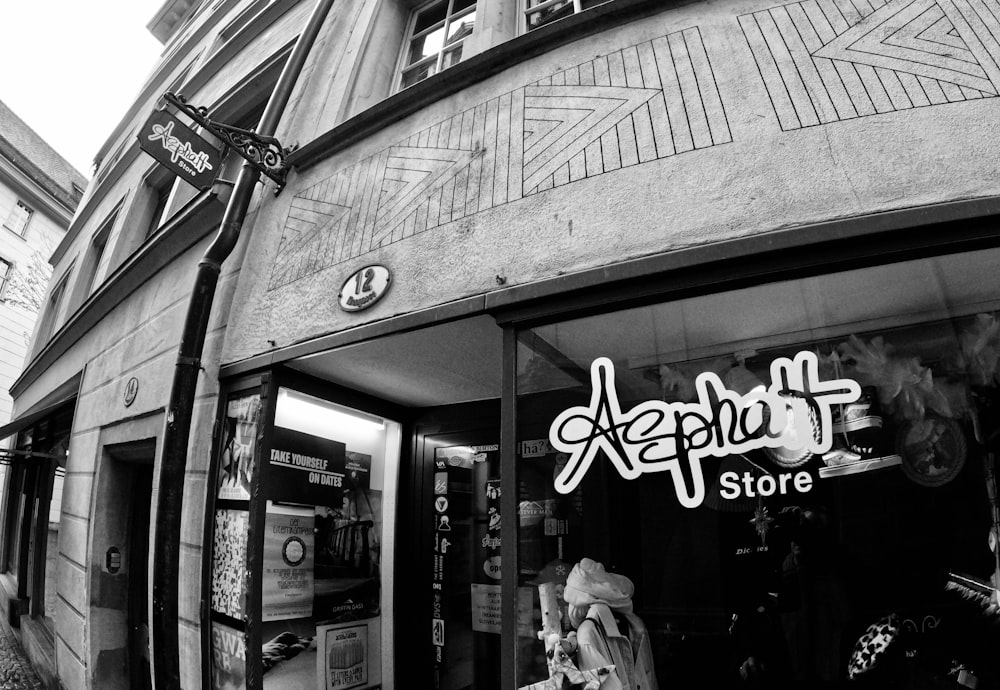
(872, 644)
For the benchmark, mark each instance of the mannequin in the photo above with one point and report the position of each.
(608, 632)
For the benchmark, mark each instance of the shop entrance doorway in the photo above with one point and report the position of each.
(444, 382)
(138, 577)
(459, 506)
(119, 568)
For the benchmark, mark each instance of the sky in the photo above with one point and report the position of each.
(70, 69)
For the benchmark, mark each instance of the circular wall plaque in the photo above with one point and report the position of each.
(364, 287)
(131, 390)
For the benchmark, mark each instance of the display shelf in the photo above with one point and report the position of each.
(860, 466)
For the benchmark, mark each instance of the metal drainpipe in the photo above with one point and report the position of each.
(166, 558)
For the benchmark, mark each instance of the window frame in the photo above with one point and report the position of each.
(5, 275)
(524, 24)
(402, 68)
(53, 303)
(15, 218)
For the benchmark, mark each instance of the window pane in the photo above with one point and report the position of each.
(452, 57)
(418, 74)
(426, 46)
(431, 16)
(460, 5)
(52, 544)
(771, 562)
(461, 27)
(4, 275)
(18, 218)
(329, 483)
(551, 13)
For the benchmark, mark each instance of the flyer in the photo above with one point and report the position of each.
(229, 562)
(486, 608)
(350, 654)
(287, 587)
(229, 663)
(236, 466)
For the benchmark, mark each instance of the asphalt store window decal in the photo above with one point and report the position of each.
(792, 419)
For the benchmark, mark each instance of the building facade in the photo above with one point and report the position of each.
(674, 323)
(39, 191)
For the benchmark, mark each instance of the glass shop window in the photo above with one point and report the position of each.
(330, 479)
(789, 485)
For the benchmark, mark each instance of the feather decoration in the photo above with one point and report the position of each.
(905, 387)
(676, 385)
(980, 348)
(977, 591)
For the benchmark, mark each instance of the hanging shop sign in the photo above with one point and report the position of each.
(364, 288)
(177, 147)
(794, 413)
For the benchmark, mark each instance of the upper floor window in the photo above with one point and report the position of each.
(95, 261)
(435, 38)
(5, 272)
(52, 307)
(159, 186)
(243, 19)
(541, 12)
(17, 219)
(104, 166)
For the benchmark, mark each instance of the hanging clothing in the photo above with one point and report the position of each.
(601, 642)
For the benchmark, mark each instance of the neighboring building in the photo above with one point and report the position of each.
(705, 292)
(39, 192)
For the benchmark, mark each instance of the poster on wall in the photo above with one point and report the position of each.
(236, 465)
(287, 584)
(348, 553)
(229, 562)
(229, 658)
(306, 469)
(349, 655)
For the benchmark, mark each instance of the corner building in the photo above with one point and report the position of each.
(703, 293)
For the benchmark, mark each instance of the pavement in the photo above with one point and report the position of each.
(15, 669)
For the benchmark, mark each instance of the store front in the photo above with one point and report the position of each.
(796, 478)
(788, 483)
(34, 471)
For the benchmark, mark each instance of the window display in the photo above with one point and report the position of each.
(788, 486)
(322, 547)
(321, 586)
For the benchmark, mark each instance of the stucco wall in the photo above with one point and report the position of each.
(21, 298)
(139, 338)
(696, 125)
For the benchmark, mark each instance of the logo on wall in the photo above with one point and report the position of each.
(794, 413)
(176, 146)
(131, 390)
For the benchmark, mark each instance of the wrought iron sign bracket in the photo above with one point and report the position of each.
(264, 153)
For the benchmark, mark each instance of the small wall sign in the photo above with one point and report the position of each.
(364, 287)
(131, 390)
(113, 560)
